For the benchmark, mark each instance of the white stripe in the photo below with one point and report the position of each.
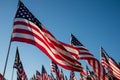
(84, 56)
(71, 50)
(84, 51)
(26, 21)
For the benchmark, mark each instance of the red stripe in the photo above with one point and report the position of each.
(27, 25)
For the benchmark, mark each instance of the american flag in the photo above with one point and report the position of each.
(29, 30)
(87, 71)
(38, 75)
(104, 60)
(52, 77)
(37, 72)
(44, 73)
(82, 77)
(62, 77)
(18, 65)
(54, 68)
(86, 55)
(33, 77)
(1, 77)
(66, 77)
(72, 76)
(90, 74)
(113, 66)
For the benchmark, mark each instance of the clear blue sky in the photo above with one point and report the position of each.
(95, 23)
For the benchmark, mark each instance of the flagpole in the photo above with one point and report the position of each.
(7, 58)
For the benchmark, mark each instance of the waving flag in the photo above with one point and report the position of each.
(88, 71)
(38, 75)
(110, 64)
(86, 55)
(1, 77)
(82, 77)
(55, 69)
(52, 77)
(66, 77)
(44, 73)
(104, 60)
(72, 76)
(33, 77)
(90, 74)
(28, 29)
(18, 65)
(62, 76)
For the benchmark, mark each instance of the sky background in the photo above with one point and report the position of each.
(95, 23)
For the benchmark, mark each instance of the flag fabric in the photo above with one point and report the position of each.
(38, 75)
(114, 67)
(62, 77)
(33, 78)
(72, 75)
(1, 77)
(88, 73)
(107, 77)
(52, 77)
(82, 77)
(44, 73)
(55, 69)
(86, 55)
(104, 60)
(37, 72)
(66, 77)
(28, 29)
(94, 76)
(21, 75)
